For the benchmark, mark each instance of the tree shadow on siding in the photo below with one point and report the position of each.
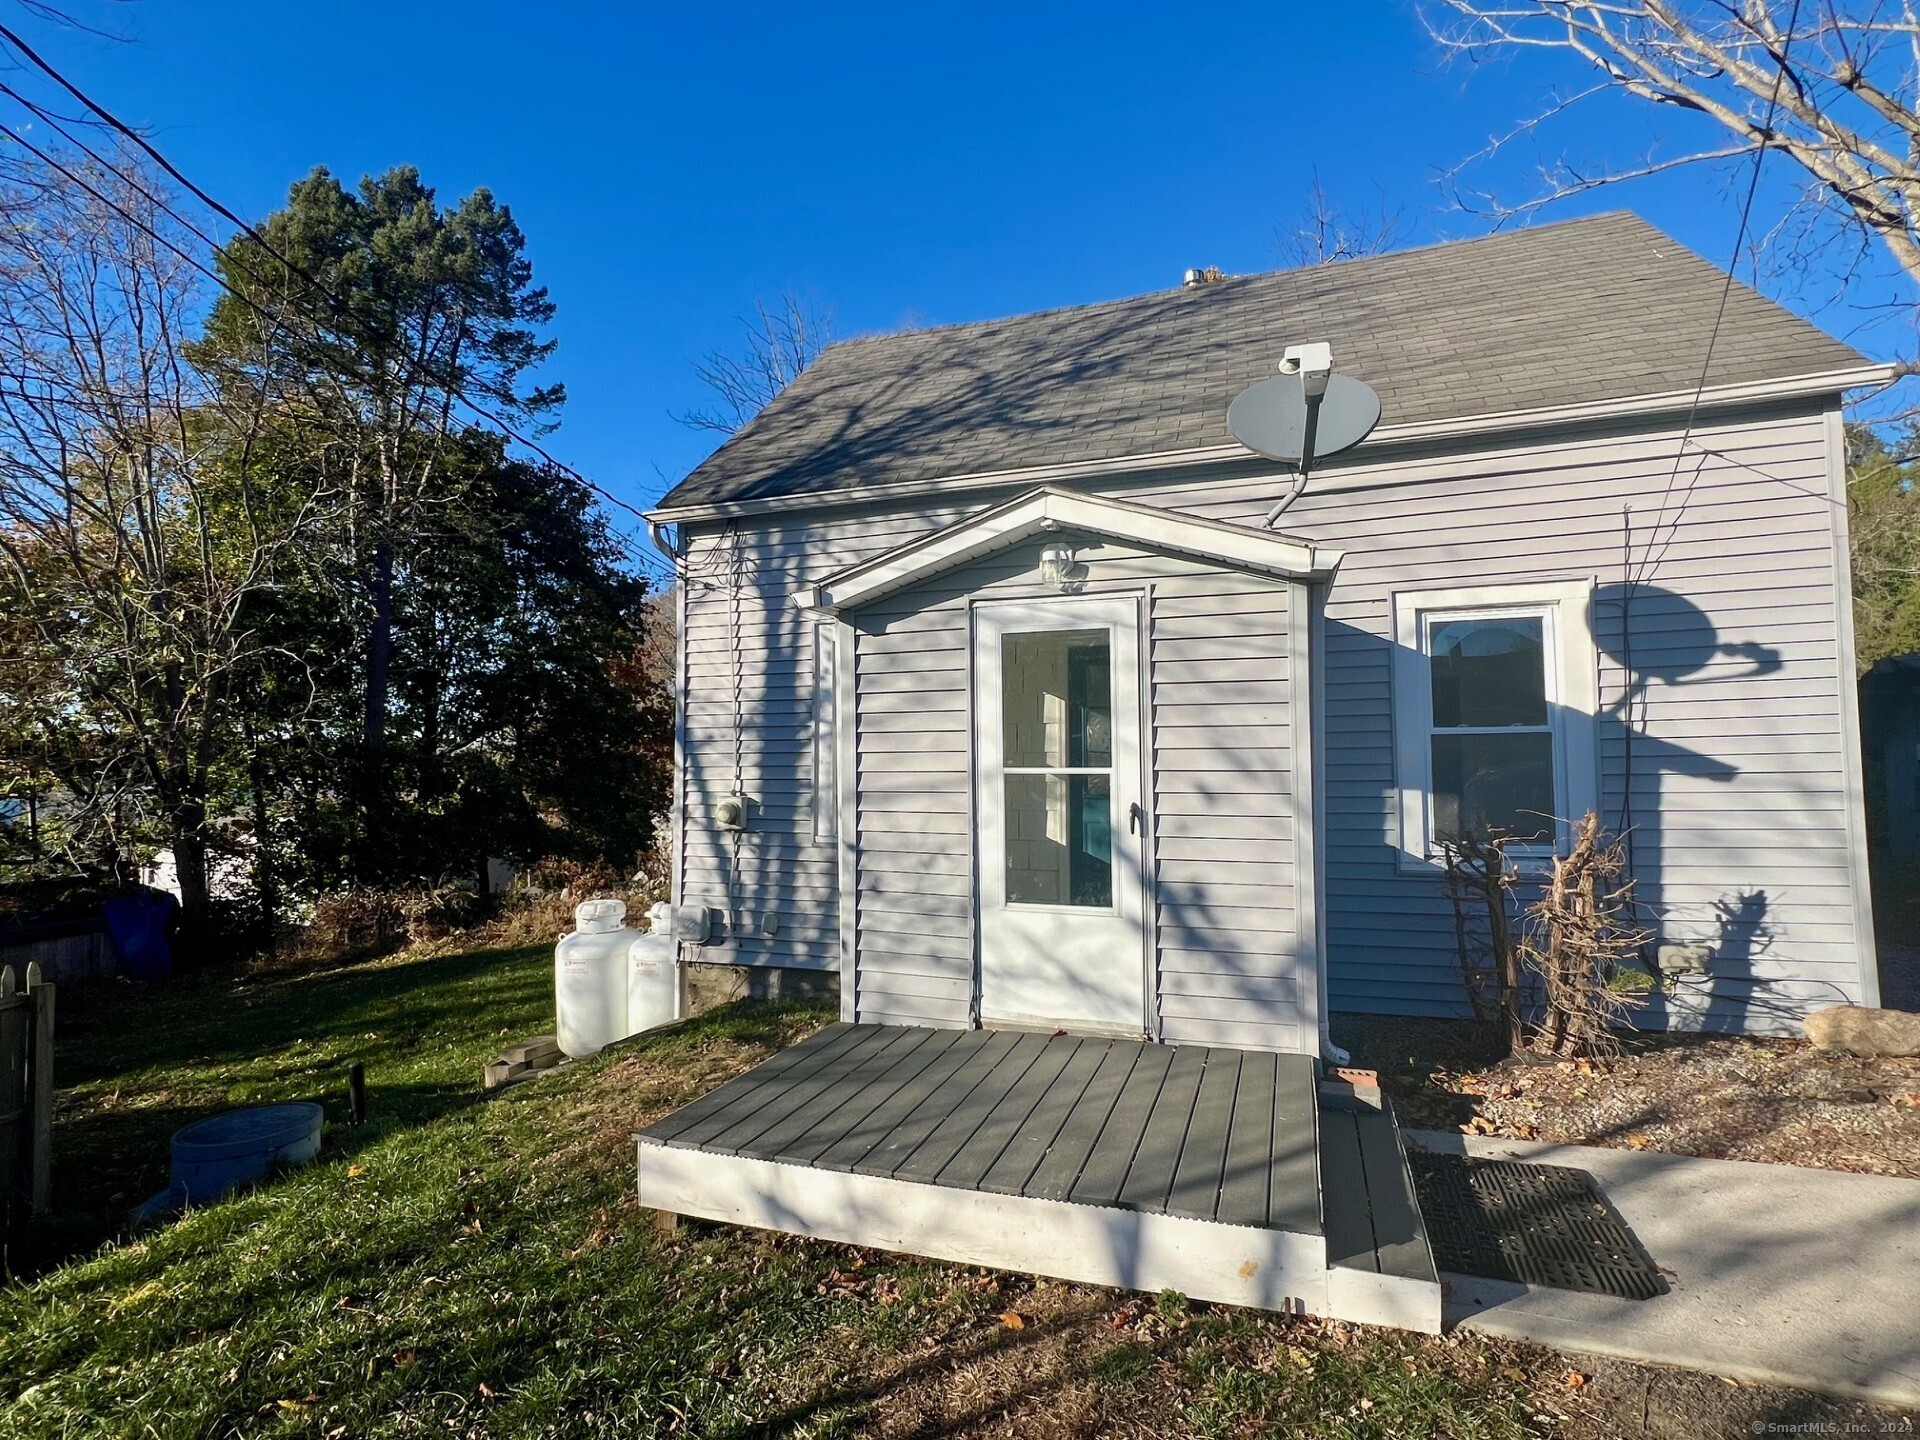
(1662, 642)
(1006, 393)
(1374, 903)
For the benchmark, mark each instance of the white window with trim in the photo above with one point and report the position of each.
(825, 791)
(1495, 690)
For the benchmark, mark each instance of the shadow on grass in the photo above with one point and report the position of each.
(120, 1029)
(140, 1062)
(136, 1062)
(108, 1162)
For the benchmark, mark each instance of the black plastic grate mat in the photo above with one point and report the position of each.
(1536, 1224)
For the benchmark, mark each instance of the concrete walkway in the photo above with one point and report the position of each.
(1780, 1275)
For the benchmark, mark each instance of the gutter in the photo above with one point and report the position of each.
(1677, 402)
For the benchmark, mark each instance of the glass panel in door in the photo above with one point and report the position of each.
(1057, 743)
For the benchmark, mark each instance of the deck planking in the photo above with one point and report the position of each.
(1243, 1183)
(1191, 1131)
(1020, 1161)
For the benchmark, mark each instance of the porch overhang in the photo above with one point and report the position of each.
(1048, 509)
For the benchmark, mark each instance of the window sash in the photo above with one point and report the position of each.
(1571, 666)
(1431, 622)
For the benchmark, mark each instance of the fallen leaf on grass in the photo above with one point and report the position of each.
(404, 1357)
(1575, 1379)
(354, 1172)
(1012, 1320)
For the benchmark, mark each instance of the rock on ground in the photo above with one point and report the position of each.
(1862, 1031)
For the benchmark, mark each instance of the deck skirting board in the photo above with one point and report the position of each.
(1371, 1298)
(1097, 1245)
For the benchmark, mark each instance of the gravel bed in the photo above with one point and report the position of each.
(1722, 1097)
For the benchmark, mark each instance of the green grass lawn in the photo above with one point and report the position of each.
(474, 1266)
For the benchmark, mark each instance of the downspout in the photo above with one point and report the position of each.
(1316, 779)
(668, 546)
(657, 533)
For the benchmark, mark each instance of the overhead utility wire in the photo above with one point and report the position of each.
(1648, 558)
(632, 550)
(1634, 576)
(253, 233)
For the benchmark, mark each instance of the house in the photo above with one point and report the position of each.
(1003, 702)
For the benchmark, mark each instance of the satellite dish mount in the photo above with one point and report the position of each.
(1306, 413)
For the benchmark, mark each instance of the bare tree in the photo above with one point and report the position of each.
(1833, 86)
(782, 339)
(1325, 232)
(135, 531)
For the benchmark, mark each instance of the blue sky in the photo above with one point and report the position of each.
(894, 164)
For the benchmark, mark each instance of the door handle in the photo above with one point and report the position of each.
(1136, 819)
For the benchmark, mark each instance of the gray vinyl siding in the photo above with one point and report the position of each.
(1227, 926)
(1738, 795)
(1738, 791)
(781, 870)
(1234, 951)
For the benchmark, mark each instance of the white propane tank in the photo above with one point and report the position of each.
(590, 978)
(653, 977)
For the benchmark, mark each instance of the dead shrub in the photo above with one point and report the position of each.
(1579, 941)
(1479, 884)
(361, 923)
(539, 909)
(1560, 977)
(354, 924)
(443, 910)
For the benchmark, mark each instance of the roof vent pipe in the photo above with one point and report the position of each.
(1193, 279)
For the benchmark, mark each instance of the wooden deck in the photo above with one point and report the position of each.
(1114, 1161)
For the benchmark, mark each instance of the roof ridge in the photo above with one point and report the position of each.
(1215, 286)
(1600, 307)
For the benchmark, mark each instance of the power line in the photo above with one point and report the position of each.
(416, 369)
(1648, 558)
(1631, 576)
(628, 546)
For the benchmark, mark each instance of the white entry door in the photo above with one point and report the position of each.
(1057, 774)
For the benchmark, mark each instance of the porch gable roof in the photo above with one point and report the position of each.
(1048, 509)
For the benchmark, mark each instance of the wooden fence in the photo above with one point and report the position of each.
(66, 950)
(26, 1094)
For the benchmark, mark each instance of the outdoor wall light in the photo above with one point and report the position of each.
(1060, 570)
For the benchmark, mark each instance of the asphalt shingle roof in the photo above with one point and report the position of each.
(1595, 309)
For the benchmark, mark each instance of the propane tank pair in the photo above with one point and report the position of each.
(609, 981)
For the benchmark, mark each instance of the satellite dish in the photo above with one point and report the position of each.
(1276, 418)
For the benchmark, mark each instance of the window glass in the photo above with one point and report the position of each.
(1489, 672)
(1056, 699)
(1059, 840)
(1057, 729)
(1491, 783)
